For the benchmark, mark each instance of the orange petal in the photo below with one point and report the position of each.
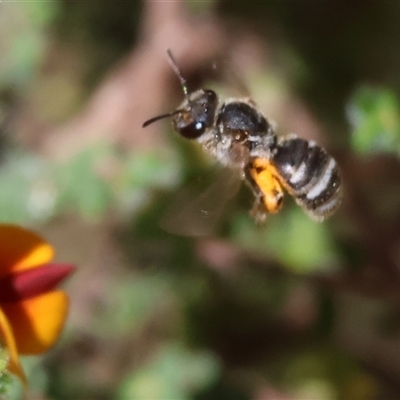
(9, 340)
(37, 322)
(21, 249)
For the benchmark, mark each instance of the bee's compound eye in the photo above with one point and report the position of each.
(196, 114)
(192, 130)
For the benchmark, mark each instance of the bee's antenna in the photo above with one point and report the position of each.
(158, 117)
(184, 87)
(178, 72)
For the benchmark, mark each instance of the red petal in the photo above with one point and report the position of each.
(32, 282)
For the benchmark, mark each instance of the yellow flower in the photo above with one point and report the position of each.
(32, 314)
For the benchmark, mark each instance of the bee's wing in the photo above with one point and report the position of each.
(225, 72)
(231, 75)
(201, 214)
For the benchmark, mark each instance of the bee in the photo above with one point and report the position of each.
(237, 134)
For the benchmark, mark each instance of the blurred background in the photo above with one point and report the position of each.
(290, 310)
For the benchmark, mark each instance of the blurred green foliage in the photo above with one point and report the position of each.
(374, 114)
(280, 239)
(6, 387)
(174, 373)
(135, 303)
(23, 40)
(323, 373)
(90, 184)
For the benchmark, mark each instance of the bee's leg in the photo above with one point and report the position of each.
(264, 181)
(258, 211)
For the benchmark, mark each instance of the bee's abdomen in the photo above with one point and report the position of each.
(310, 175)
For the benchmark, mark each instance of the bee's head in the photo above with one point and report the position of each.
(197, 111)
(196, 114)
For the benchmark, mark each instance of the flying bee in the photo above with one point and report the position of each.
(237, 134)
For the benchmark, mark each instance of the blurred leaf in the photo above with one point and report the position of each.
(37, 375)
(89, 183)
(10, 385)
(361, 387)
(27, 188)
(301, 243)
(152, 169)
(326, 373)
(223, 391)
(374, 114)
(143, 172)
(41, 14)
(204, 6)
(175, 373)
(135, 303)
(83, 181)
(291, 237)
(23, 38)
